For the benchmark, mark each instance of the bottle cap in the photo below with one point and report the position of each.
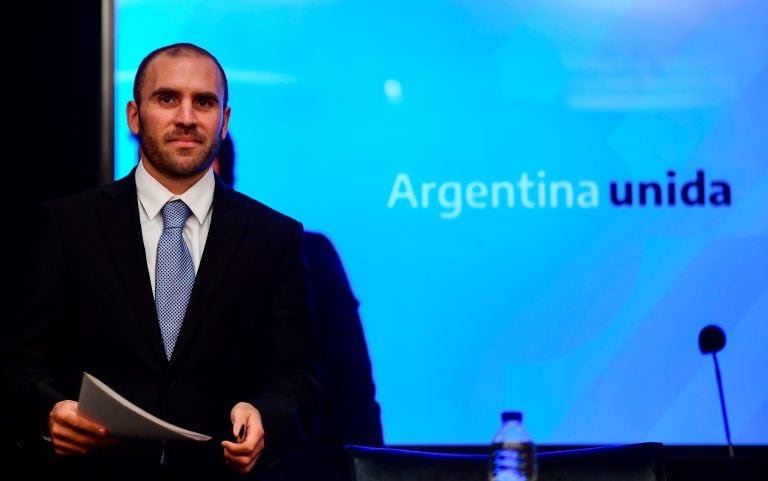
(511, 416)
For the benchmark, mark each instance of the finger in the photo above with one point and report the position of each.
(68, 416)
(76, 431)
(252, 441)
(85, 440)
(66, 447)
(242, 454)
(242, 464)
(254, 430)
(84, 424)
(239, 432)
(250, 465)
(75, 442)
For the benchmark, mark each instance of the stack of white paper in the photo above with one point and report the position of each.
(122, 418)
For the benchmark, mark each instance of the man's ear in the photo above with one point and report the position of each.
(225, 122)
(132, 115)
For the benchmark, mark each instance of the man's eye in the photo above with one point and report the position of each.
(204, 102)
(166, 99)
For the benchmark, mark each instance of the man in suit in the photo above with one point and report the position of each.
(243, 365)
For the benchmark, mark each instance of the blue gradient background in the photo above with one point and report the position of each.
(585, 319)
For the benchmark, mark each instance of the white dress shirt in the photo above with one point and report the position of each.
(152, 196)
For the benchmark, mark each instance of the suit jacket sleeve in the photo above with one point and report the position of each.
(29, 333)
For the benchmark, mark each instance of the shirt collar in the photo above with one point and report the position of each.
(153, 195)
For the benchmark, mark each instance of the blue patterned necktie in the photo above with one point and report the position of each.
(174, 274)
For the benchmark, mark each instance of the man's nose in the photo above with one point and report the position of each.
(186, 113)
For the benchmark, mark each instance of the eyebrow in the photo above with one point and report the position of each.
(169, 91)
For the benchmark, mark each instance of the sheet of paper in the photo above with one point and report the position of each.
(122, 418)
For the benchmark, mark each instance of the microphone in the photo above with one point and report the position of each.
(711, 341)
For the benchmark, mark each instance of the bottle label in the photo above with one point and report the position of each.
(512, 461)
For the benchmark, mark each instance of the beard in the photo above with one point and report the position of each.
(174, 164)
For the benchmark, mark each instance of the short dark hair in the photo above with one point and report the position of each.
(174, 50)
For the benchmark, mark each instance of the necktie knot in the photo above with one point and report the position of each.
(175, 214)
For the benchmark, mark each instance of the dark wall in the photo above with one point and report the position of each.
(51, 86)
(54, 95)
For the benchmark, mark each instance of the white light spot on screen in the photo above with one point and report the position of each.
(393, 90)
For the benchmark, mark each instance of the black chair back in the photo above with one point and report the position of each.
(623, 462)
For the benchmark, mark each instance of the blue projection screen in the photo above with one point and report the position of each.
(539, 203)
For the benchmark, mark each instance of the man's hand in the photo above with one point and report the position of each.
(248, 432)
(71, 433)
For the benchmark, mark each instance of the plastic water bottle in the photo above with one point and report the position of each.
(513, 452)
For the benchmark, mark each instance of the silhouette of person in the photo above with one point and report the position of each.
(350, 413)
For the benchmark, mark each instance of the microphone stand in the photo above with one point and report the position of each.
(722, 406)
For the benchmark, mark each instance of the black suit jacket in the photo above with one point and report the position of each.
(247, 335)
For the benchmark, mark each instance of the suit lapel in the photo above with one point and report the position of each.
(225, 233)
(120, 220)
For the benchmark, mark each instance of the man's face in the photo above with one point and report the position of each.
(181, 119)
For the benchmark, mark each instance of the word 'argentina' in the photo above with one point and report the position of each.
(453, 196)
